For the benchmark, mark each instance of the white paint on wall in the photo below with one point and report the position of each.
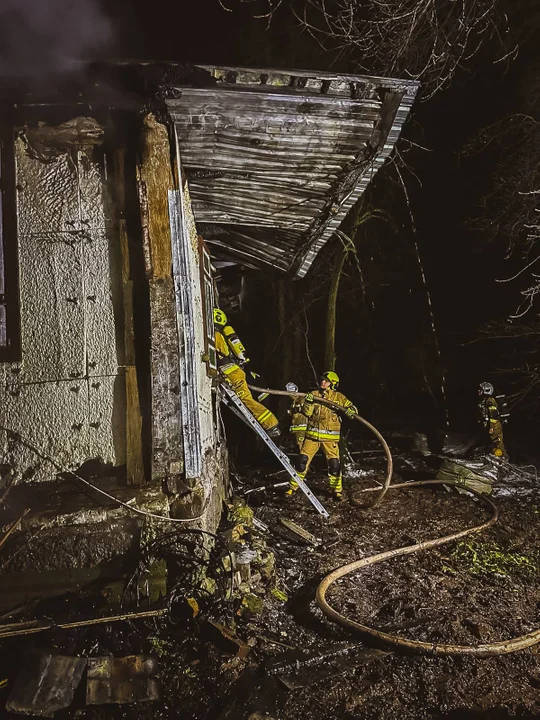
(66, 396)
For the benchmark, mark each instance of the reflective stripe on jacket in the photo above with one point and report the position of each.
(488, 411)
(298, 419)
(324, 424)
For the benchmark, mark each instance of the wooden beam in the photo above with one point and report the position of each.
(134, 446)
(155, 179)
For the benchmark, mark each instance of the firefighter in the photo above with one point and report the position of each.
(231, 355)
(490, 419)
(299, 421)
(323, 431)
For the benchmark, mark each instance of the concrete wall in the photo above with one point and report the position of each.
(66, 397)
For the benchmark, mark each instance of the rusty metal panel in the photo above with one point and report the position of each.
(122, 680)
(270, 156)
(52, 307)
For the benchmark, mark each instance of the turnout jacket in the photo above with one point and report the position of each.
(298, 419)
(488, 412)
(323, 423)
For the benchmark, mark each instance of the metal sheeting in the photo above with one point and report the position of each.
(275, 159)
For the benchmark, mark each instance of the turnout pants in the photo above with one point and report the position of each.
(237, 380)
(496, 437)
(307, 453)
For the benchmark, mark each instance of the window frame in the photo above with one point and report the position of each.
(10, 351)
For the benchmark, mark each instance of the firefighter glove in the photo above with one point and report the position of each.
(309, 398)
(350, 412)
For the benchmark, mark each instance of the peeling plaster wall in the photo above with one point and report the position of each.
(67, 395)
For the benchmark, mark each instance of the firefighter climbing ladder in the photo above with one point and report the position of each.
(232, 400)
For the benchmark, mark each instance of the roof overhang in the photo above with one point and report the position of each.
(276, 159)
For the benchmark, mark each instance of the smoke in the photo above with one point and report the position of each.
(44, 37)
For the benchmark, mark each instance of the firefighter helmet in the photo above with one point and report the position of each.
(332, 378)
(291, 387)
(486, 388)
(219, 317)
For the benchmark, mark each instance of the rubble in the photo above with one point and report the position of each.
(297, 530)
(299, 669)
(225, 639)
(477, 475)
(122, 680)
(248, 557)
(46, 684)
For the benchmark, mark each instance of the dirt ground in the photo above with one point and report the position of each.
(480, 589)
(484, 588)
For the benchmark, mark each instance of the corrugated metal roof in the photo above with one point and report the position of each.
(276, 159)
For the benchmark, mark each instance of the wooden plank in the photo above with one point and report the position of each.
(134, 440)
(134, 453)
(155, 174)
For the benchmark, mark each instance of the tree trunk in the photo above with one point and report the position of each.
(330, 333)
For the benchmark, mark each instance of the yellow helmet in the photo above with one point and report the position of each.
(332, 377)
(219, 317)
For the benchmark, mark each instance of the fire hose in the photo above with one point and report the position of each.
(503, 647)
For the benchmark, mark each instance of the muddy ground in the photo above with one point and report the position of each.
(481, 589)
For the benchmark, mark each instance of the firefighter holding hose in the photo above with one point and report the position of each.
(231, 356)
(323, 431)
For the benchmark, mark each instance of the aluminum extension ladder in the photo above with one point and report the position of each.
(232, 401)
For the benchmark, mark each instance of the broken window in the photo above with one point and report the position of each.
(9, 273)
(207, 290)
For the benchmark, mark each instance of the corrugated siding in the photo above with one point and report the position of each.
(268, 153)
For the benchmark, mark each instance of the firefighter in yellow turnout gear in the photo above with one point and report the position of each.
(489, 417)
(298, 426)
(323, 431)
(231, 356)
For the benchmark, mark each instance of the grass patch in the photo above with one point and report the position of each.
(489, 558)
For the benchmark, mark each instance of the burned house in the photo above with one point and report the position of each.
(117, 194)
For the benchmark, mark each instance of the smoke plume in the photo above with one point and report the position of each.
(43, 37)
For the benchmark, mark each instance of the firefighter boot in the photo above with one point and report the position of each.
(293, 485)
(336, 487)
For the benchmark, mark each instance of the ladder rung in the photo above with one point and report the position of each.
(234, 402)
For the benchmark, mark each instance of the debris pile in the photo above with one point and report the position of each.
(248, 556)
(48, 682)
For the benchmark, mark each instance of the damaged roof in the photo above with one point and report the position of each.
(276, 159)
